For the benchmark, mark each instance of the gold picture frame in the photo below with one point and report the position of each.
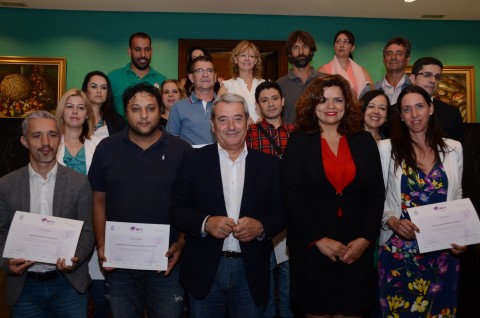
(30, 83)
(457, 88)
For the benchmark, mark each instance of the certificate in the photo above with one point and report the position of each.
(136, 245)
(444, 223)
(42, 238)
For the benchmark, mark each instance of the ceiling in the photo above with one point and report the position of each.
(387, 9)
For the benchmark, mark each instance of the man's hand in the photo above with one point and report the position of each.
(66, 268)
(247, 229)
(174, 253)
(457, 249)
(102, 259)
(19, 265)
(219, 227)
(331, 248)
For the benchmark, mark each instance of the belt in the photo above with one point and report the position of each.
(43, 276)
(231, 254)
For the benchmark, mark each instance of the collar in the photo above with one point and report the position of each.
(165, 139)
(51, 174)
(266, 124)
(404, 80)
(194, 99)
(311, 74)
(223, 152)
(128, 69)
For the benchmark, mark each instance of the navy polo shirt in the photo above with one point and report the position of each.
(137, 182)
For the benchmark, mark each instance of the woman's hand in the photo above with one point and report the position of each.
(355, 250)
(405, 228)
(331, 248)
(457, 249)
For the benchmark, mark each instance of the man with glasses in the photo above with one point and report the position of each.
(396, 55)
(427, 73)
(189, 118)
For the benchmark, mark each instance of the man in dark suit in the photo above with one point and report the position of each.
(227, 199)
(45, 187)
(427, 73)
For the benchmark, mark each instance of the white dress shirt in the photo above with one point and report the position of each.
(392, 92)
(41, 202)
(233, 177)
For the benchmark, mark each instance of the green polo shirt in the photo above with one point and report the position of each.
(124, 77)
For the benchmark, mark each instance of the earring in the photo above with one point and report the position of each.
(431, 114)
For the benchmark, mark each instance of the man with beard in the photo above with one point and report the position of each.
(36, 289)
(300, 48)
(138, 70)
(132, 175)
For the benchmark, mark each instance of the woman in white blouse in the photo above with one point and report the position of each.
(246, 72)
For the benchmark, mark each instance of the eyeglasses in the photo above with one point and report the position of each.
(345, 42)
(430, 75)
(201, 71)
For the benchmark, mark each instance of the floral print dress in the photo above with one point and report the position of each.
(413, 284)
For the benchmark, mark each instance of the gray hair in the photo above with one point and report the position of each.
(35, 115)
(230, 98)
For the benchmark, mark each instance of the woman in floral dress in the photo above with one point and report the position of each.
(420, 167)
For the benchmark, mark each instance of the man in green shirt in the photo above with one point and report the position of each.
(138, 70)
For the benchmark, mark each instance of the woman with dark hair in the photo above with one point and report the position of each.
(334, 194)
(171, 92)
(375, 111)
(246, 72)
(343, 64)
(419, 168)
(99, 91)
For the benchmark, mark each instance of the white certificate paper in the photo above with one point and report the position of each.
(280, 247)
(136, 245)
(444, 223)
(42, 238)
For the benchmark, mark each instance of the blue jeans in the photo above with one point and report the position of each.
(283, 288)
(132, 292)
(100, 303)
(48, 299)
(229, 291)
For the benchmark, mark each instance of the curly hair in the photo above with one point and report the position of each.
(242, 47)
(141, 87)
(307, 120)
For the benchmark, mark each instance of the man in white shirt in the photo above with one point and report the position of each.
(396, 55)
(227, 200)
(47, 188)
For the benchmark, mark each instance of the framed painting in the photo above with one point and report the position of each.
(457, 88)
(30, 83)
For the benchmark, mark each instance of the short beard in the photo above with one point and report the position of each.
(301, 61)
(141, 67)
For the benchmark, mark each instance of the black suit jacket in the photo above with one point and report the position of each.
(198, 192)
(450, 120)
(312, 203)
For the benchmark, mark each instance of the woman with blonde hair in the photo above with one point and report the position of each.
(75, 120)
(246, 72)
(171, 92)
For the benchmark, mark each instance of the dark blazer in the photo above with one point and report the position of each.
(311, 201)
(450, 120)
(72, 199)
(319, 285)
(198, 192)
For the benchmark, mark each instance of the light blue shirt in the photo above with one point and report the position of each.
(190, 121)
